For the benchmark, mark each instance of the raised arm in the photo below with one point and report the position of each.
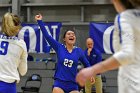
(54, 44)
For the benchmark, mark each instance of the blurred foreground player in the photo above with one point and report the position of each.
(127, 57)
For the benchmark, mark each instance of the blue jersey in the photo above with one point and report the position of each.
(94, 57)
(67, 62)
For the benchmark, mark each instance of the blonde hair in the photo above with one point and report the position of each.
(135, 3)
(10, 24)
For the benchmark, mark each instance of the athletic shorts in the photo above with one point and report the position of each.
(66, 86)
(7, 87)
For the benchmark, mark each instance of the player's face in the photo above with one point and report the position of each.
(70, 38)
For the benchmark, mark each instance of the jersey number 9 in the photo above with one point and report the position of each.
(3, 47)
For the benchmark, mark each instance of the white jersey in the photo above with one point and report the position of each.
(13, 59)
(128, 29)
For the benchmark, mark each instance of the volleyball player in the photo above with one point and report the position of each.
(13, 54)
(127, 58)
(68, 56)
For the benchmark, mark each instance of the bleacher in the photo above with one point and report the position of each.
(45, 69)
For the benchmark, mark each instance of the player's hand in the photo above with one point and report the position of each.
(84, 75)
(38, 17)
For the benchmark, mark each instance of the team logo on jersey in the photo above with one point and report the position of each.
(94, 55)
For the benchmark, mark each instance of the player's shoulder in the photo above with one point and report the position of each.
(13, 40)
(130, 14)
(78, 48)
(21, 43)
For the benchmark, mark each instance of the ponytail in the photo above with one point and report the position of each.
(10, 24)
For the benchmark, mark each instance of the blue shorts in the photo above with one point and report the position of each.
(66, 86)
(7, 87)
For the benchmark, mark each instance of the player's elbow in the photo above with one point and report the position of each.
(22, 73)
